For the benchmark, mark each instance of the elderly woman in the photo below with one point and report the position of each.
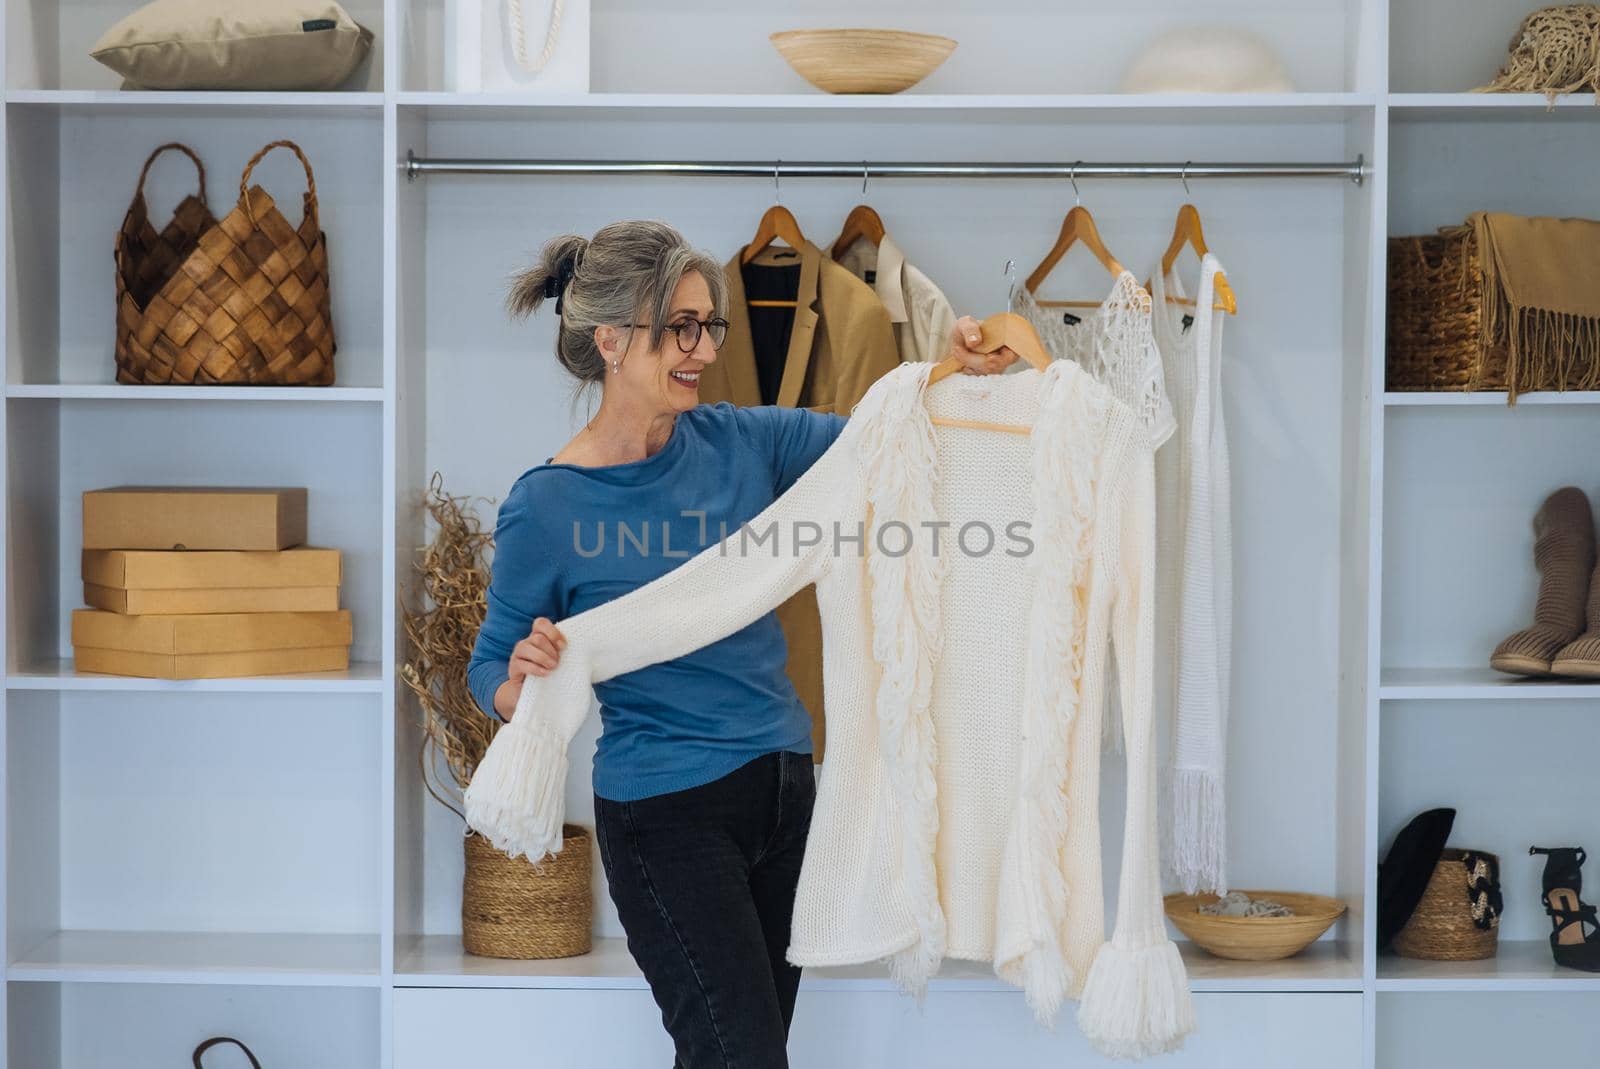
(703, 773)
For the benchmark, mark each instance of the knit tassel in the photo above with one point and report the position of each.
(517, 796)
(1195, 848)
(1136, 1002)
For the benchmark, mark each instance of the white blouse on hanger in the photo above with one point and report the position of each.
(1195, 578)
(1115, 343)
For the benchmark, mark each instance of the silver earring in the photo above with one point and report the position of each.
(616, 366)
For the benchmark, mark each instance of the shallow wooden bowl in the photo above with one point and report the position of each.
(862, 61)
(1255, 938)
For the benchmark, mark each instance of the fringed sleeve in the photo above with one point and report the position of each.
(1136, 999)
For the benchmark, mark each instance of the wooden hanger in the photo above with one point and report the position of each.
(862, 222)
(1004, 329)
(777, 223)
(1187, 231)
(1077, 226)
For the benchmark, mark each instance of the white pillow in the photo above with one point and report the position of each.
(235, 44)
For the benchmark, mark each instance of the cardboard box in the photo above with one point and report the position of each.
(144, 602)
(169, 569)
(194, 517)
(167, 581)
(195, 633)
(213, 665)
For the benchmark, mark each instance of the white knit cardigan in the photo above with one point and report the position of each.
(957, 812)
(1195, 567)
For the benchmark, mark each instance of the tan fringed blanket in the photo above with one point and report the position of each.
(1541, 299)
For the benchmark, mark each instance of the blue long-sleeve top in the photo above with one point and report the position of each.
(568, 538)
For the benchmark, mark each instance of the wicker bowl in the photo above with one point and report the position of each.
(862, 61)
(1255, 938)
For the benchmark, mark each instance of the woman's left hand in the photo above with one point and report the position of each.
(967, 333)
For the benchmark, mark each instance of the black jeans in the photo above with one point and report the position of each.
(703, 880)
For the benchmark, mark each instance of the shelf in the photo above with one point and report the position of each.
(117, 392)
(363, 677)
(1467, 105)
(439, 961)
(1489, 398)
(1484, 684)
(170, 101)
(1520, 965)
(252, 958)
(1222, 104)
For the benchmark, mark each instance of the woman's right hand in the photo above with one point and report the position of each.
(539, 653)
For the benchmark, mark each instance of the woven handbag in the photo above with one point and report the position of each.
(241, 301)
(213, 1041)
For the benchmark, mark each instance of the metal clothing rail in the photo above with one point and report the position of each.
(1355, 171)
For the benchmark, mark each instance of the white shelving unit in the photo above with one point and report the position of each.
(259, 856)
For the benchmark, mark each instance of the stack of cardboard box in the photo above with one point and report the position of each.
(190, 582)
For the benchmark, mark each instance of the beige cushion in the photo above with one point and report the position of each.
(235, 44)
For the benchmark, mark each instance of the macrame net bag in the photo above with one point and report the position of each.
(1556, 50)
(510, 908)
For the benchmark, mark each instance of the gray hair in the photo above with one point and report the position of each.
(628, 270)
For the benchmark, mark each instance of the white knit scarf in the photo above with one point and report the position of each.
(1195, 500)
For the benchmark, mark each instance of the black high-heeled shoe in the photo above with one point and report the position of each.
(1575, 938)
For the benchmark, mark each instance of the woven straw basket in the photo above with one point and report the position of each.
(243, 301)
(1441, 928)
(1436, 315)
(511, 908)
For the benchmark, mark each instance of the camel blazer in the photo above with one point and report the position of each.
(841, 343)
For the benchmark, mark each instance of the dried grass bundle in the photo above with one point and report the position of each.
(454, 582)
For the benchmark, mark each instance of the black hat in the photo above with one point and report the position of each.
(1404, 873)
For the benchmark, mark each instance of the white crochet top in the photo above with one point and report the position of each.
(1194, 606)
(1115, 343)
(958, 810)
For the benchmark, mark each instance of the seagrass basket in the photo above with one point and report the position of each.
(240, 301)
(511, 908)
(1436, 316)
(1443, 927)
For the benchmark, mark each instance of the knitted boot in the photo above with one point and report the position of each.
(1564, 553)
(1581, 657)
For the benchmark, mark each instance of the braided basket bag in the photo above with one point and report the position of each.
(243, 301)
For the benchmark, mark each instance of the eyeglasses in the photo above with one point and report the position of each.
(688, 332)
